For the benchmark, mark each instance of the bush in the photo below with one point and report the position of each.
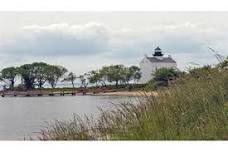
(162, 78)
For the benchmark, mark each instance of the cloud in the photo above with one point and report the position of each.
(59, 39)
(187, 41)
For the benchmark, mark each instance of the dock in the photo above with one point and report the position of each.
(39, 93)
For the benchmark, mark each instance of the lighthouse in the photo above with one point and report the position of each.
(150, 64)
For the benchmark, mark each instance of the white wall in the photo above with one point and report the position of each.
(147, 68)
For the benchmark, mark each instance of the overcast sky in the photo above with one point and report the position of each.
(85, 41)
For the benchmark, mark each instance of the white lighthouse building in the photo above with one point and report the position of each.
(150, 64)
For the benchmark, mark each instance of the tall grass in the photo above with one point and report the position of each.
(193, 108)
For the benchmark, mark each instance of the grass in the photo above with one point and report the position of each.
(192, 108)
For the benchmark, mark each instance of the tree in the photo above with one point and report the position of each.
(54, 73)
(40, 72)
(71, 77)
(132, 73)
(137, 76)
(104, 72)
(114, 73)
(97, 77)
(164, 75)
(26, 72)
(82, 79)
(32, 75)
(8, 75)
(94, 77)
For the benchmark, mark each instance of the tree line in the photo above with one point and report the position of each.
(33, 75)
(37, 74)
(114, 74)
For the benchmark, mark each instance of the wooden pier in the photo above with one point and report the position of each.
(40, 93)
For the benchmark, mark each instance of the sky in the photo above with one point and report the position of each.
(83, 41)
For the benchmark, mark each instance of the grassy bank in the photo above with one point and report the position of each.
(195, 107)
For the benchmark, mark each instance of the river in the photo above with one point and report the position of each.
(24, 116)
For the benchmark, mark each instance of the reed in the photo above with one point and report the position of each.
(192, 108)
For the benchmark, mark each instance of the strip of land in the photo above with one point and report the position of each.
(127, 93)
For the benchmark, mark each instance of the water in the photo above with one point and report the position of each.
(24, 116)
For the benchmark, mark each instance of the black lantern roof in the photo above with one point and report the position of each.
(158, 52)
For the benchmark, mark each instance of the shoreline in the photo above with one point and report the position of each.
(127, 93)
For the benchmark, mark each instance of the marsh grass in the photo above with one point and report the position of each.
(192, 108)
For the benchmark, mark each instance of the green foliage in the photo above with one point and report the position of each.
(132, 73)
(83, 80)
(71, 77)
(9, 74)
(115, 73)
(26, 72)
(95, 77)
(165, 75)
(40, 72)
(162, 77)
(32, 75)
(54, 73)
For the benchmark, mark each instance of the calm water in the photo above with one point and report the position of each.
(23, 116)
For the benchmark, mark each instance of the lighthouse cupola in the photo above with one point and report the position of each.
(158, 53)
